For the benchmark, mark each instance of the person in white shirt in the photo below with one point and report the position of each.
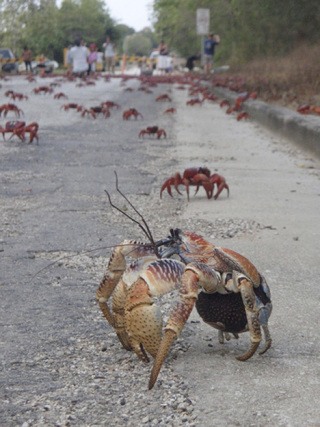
(109, 54)
(78, 58)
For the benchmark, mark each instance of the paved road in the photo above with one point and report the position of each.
(61, 364)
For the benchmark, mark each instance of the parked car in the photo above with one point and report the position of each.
(7, 55)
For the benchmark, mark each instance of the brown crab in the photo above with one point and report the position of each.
(228, 291)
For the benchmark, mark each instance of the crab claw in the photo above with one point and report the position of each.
(143, 321)
(163, 350)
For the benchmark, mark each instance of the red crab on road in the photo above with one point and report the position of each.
(16, 95)
(93, 111)
(132, 112)
(170, 110)
(19, 129)
(110, 104)
(196, 177)
(164, 97)
(60, 95)
(5, 108)
(194, 101)
(153, 130)
(72, 106)
(42, 89)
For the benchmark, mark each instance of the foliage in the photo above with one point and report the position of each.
(292, 80)
(137, 44)
(47, 29)
(248, 28)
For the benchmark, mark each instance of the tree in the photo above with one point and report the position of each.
(137, 44)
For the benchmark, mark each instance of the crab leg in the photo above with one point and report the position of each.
(252, 312)
(189, 288)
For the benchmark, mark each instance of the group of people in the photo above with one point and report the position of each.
(164, 62)
(82, 60)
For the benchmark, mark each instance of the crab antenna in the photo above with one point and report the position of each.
(145, 228)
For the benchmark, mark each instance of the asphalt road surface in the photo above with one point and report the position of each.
(61, 364)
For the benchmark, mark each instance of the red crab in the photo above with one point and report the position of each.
(110, 104)
(72, 106)
(243, 115)
(132, 112)
(19, 129)
(60, 95)
(5, 108)
(153, 130)
(42, 89)
(224, 103)
(164, 97)
(196, 177)
(194, 101)
(170, 110)
(93, 111)
(16, 95)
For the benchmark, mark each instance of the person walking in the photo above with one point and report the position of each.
(78, 58)
(109, 54)
(209, 47)
(163, 57)
(92, 58)
(27, 58)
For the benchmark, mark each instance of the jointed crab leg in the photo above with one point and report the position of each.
(249, 301)
(210, 280)
(189, 289)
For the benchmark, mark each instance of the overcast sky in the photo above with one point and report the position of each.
(134, 13)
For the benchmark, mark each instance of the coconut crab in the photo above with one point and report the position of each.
(228, 291)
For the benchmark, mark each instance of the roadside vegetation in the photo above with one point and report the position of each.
(290, 81)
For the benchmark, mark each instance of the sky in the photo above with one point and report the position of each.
(134, 13)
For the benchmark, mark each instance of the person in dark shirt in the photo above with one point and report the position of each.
(209, 46)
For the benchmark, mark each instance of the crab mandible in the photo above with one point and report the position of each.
(228, 291)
